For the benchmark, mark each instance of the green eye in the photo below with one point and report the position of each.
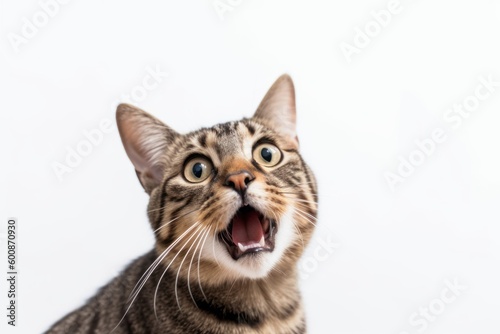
(197, 170)
(267, 155)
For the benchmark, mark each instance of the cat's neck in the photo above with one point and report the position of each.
(272, 304)
(270, 291)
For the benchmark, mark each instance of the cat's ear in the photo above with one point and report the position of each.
(145, 139)
(277, 109)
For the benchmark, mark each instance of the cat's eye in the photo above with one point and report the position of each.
(197, 169)
(267, 155)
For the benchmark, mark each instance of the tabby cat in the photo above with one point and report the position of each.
(232, 208)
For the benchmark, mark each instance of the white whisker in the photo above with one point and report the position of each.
(302, 200)
(296, 185)
(199, 260)
(305, 217)
(161, 257)
(191, 263)
(213, 244)
(165, 271)
(198, 233)
(147, 271)
(176, 218)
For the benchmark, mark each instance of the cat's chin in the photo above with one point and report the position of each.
(254, 261)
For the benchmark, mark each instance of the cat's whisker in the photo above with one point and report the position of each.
(299, 193)
(198, 233)
(162, 256)
(305, 206)
(158, 209)
(213, 244)
(150, 273)
(199, 260)
(165, 271)
(232, 285)
(206, 230)
(302, 200)
(274, 215)
(306, 213)
(158, 259)
(295, 185)
(305, 217)
(299, 232)
(297, 228)
(171, 221)
(276, 218)
(280, 271)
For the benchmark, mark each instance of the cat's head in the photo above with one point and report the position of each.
(235, 200)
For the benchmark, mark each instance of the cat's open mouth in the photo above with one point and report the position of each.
(249, 232)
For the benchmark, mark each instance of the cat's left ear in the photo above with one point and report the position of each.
(145, 139)
(277, 109)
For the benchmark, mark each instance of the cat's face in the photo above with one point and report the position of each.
(236, 199)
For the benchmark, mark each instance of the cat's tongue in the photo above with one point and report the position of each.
(247, 229)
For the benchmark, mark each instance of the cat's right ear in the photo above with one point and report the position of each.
(277, 109)
(145, 139)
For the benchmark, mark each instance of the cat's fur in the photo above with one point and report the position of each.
(195, 286)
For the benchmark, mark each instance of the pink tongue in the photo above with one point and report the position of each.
(247, 228)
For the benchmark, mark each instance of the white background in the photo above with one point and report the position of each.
(394, 249)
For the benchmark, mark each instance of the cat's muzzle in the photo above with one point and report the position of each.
(249, 232)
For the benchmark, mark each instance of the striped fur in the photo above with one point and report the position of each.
(189, 283)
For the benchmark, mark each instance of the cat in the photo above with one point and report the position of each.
(232, 208)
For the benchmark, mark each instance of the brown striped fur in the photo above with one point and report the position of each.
(188, 283)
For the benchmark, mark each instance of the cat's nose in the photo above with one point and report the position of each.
(239, 181)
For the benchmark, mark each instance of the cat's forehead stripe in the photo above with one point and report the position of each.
(221, 140)
(250, 128)
(202, 140)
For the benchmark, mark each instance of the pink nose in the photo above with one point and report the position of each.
(239, 181)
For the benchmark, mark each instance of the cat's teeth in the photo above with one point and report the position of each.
(262, 242)
(243, 248)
